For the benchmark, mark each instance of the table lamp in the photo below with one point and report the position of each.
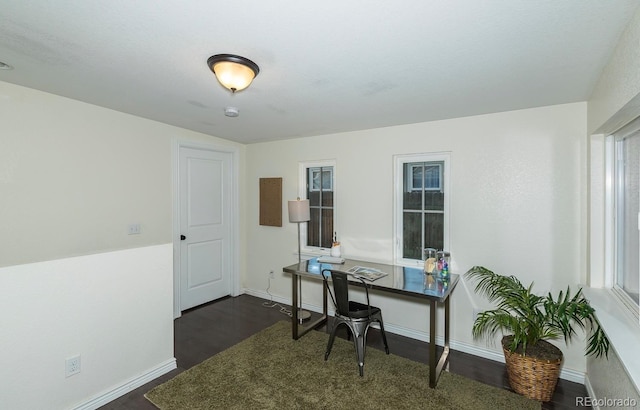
(299, 212)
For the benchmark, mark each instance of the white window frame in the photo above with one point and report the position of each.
(445, 176)
(610, 210)
(302, 193)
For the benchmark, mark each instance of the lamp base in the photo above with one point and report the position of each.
(303, 315)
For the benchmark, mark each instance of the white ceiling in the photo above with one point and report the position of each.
(326, 67)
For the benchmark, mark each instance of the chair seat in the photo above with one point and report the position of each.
(359, 310)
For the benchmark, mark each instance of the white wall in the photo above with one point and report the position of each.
(608, 378)
(517, 205)
(113, 309)
(615, 101)
(72, 177)
(616, 97)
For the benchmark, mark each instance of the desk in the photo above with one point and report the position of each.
(400, 280)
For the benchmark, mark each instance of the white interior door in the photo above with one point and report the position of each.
(205, 225)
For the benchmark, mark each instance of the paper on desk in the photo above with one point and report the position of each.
(367, 273)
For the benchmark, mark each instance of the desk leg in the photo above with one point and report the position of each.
(433, 380)
(445, 354)
(294, 306)
(297, 329)
(436, 370)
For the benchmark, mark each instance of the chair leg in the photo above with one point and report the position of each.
(332, 337)
(359, 330)
(384, 337)
(359, 342)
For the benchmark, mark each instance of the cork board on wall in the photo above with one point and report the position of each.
(271, 201)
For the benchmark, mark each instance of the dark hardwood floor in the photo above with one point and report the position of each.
(206, 330)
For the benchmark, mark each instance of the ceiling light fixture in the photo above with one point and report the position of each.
(232, 71)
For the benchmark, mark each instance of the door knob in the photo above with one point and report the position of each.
(182, 237)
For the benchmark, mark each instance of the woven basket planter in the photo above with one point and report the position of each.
(530, 376)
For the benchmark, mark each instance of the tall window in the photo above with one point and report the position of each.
(319, 182)
(626, 209)
(421, 203)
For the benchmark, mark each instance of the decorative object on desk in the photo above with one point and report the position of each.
(330, 259)
(533, 364)
(281, 370)
(443, 260)
(336, 249)
(429, 282)
(299, 212)
(430, 255)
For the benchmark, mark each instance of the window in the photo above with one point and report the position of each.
(625, 148)
(421, 205)
(319, 181)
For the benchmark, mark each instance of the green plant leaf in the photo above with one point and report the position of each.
(530, 317)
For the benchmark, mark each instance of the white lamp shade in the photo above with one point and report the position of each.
(299, 210)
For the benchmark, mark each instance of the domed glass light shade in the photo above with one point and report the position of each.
(233, 72)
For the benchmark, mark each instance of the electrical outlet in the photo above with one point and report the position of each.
(271, 274)
(72, 366)
(134, 229)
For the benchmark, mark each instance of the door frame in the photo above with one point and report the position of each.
(234, 212)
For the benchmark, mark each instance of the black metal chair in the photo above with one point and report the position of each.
(357, 316)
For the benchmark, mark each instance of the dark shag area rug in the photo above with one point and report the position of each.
(270, 370)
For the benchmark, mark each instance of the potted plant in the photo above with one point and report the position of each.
(527, 321)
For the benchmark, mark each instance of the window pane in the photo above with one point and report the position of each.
(412, 200)
(412, 243)
(326, 179)
(314, 198)
(417, 176)
(628, 184)
(413, 239)
(434, 231)
(313, 228)
(327, 199)
(434, 200)
(327, 228)
(432, 177)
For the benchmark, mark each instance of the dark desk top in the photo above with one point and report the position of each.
(404, 280)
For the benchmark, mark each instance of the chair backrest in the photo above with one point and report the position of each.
(340, 294)
(341, 290)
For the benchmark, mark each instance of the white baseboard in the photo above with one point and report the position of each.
(591, 393)
(495, 355)
(264, 295)
(128, 386)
